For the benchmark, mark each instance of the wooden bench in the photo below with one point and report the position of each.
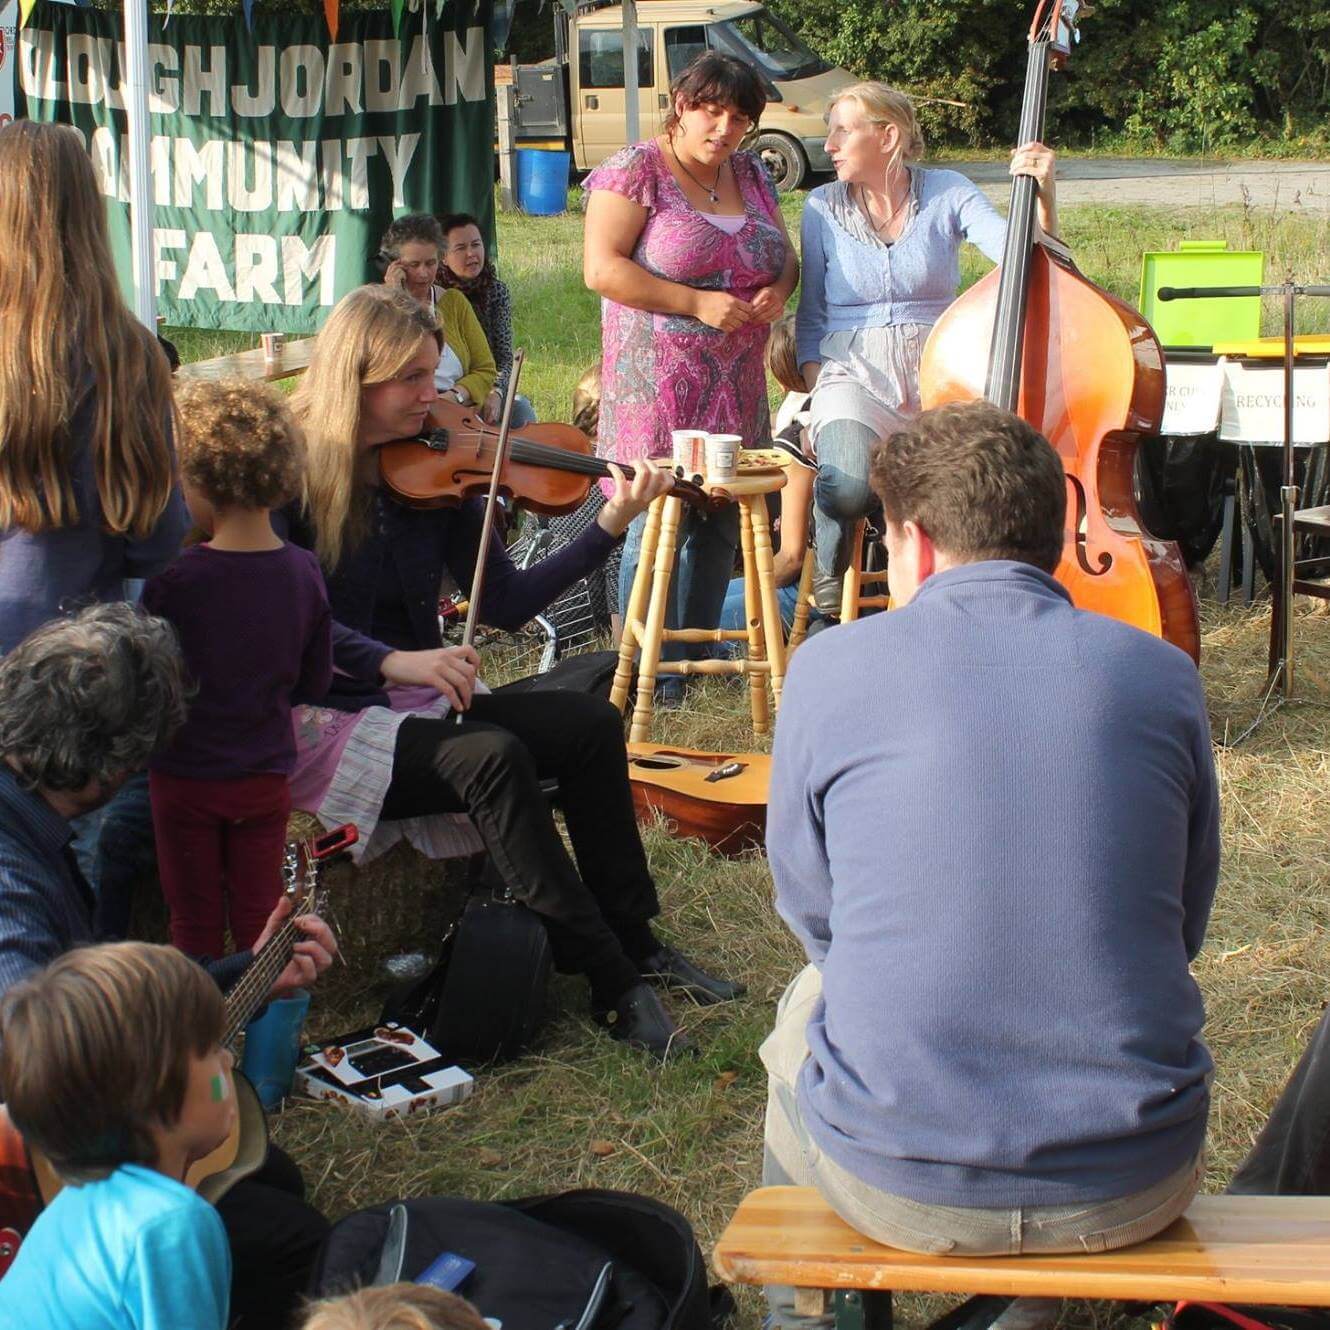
(1243, 1249)
(253, 365)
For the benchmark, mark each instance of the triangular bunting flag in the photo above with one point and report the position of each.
(330, 12)
(398, 7)
(248, 6)
(25, 8)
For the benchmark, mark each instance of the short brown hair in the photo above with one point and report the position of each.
(395, 1307)
(96, 1051)
(239, 445)
(980, 481)
(783, 358)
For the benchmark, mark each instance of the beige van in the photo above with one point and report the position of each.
(577, 99)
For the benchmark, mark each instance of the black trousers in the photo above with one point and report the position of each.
(275, 1236)
(490, 767)
(1291, 1156)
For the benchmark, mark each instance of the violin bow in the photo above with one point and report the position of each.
(491, 507)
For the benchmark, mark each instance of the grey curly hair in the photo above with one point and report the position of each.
(90, 698)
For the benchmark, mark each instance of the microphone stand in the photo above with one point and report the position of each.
(1279, 679)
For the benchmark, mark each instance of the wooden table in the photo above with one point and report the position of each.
(253, 365)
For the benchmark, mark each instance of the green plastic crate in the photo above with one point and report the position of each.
(1202, 323)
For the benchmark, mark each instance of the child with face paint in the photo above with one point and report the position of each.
(112, 1067)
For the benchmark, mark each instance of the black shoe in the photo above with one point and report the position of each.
(639, 1020)
(672, 969)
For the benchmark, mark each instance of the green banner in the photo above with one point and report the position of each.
(278, 156)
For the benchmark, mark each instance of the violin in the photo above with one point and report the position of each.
(549, 468)
(1038, 338)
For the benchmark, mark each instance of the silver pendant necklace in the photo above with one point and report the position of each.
(710, 189)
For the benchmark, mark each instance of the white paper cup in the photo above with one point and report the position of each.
(690, 453)
(723, 458)
(272, 345)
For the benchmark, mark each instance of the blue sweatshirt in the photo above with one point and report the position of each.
(846, 283)
(994, 826)
(54, 572)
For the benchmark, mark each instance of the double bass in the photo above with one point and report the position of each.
(1038, 338)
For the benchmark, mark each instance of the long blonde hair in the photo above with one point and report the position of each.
(884, 105)
(370, 337)
(62, 317)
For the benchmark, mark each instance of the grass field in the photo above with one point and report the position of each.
(581, 1111)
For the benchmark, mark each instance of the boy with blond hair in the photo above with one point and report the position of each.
(395, 1307)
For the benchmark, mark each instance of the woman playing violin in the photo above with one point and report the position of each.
(384, 747)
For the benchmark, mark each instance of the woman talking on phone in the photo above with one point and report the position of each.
(412, 252)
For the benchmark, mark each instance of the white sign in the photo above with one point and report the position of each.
(1253, 406)
(8, 58)
(1191, 404)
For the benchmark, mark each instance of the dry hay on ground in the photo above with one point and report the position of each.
(579, 1111)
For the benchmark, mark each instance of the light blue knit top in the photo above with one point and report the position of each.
(850, 283)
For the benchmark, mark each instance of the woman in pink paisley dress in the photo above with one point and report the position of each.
(687, 248)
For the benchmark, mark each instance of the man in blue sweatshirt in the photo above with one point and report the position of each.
(994, 827)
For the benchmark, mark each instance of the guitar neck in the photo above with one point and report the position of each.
(252, 988)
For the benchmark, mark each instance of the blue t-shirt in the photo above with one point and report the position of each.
(134, 1251)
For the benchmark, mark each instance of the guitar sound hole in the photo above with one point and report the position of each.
(657, 763)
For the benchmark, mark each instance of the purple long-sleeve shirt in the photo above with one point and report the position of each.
(255, 630)
(994, 826)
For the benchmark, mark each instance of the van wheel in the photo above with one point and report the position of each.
(784, 158)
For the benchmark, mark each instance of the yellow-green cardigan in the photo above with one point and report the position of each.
(462, 332)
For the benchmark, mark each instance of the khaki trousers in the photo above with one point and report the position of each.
(791, 1156)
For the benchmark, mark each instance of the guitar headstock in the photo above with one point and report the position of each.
(1057, 23)
(303, 859)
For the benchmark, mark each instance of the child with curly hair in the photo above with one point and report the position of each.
(254, 625)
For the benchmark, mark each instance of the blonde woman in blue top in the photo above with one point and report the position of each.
(880, 255)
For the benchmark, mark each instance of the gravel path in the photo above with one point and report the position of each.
(1284, 186)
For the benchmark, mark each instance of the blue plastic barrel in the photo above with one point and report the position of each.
(542, 181)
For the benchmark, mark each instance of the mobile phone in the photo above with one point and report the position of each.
(334, 841)
(382, 262)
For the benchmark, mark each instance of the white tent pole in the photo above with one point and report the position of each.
(139, 133)
(631, 119)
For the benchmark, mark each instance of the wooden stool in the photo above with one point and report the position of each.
(644, 622)
(853, 597)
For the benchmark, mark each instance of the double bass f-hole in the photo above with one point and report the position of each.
(1080, 509)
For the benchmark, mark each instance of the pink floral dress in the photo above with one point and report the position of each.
(662, 372)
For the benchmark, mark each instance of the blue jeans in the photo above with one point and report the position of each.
(707, 543)
(734, 613)
(841, 492)
(114, 848)
(523, 412)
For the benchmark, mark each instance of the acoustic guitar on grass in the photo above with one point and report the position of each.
(28, 1181)
(720, 798)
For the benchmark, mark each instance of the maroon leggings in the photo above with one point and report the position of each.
(219, 852)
